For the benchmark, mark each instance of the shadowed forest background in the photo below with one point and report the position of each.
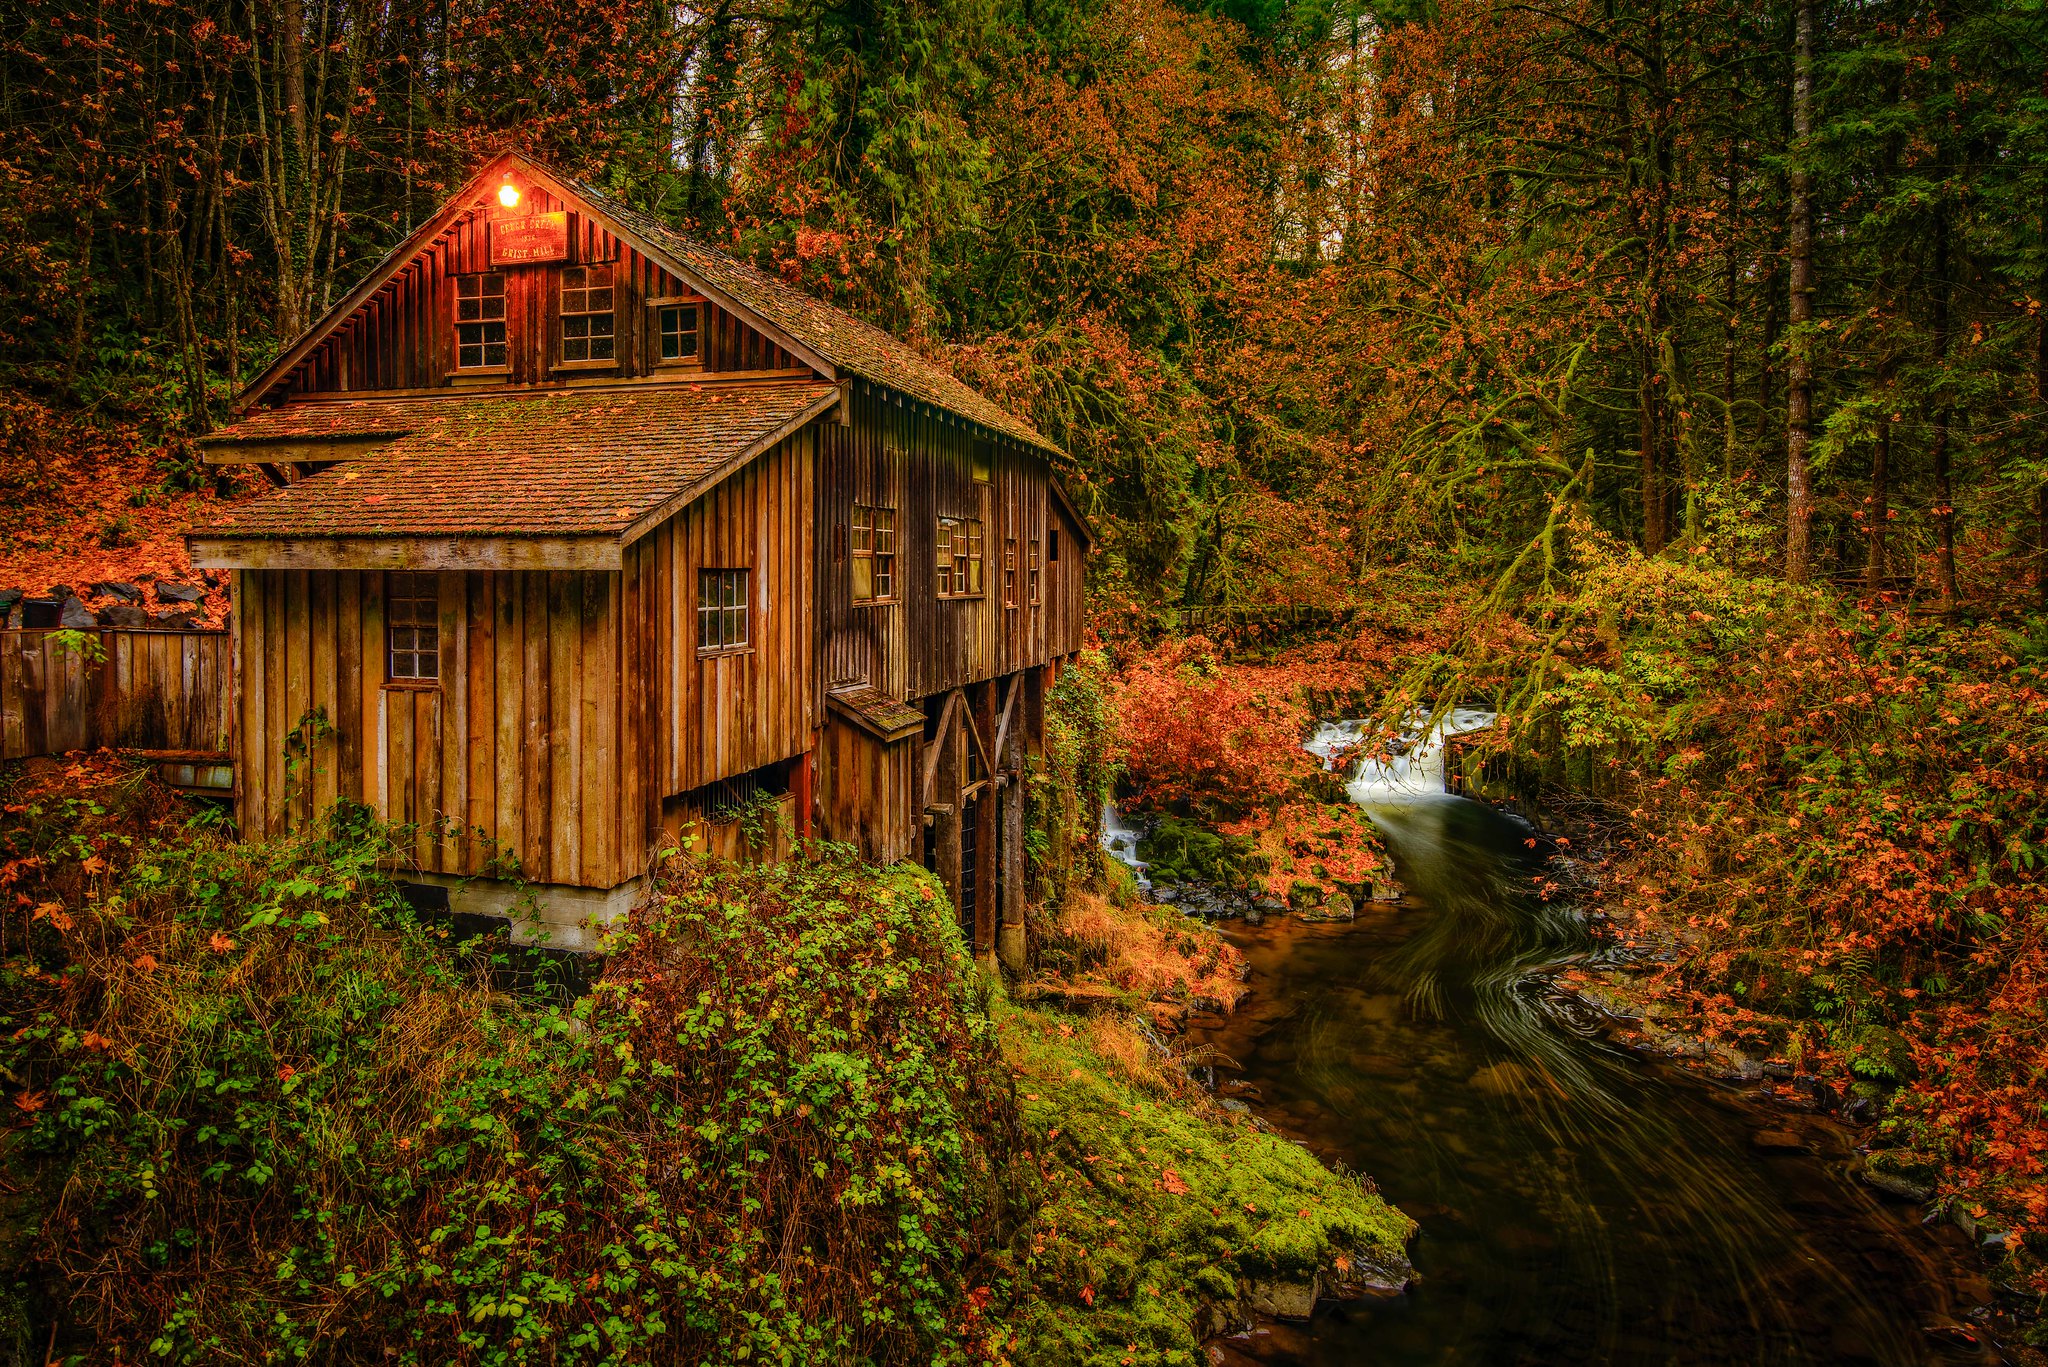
(1668, 375)
(1304, 291)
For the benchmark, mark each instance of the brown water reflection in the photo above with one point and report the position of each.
(1577, 1205)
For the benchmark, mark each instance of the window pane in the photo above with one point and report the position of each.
(863, 578)
(600, 301)
(468, 286)
(885, 578)
(467, 309)
(736, 626)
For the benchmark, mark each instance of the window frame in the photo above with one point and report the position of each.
(960, 570)
(881, 564)
(482, 322)
(412, 588)
(1033, 579)
(656, 307)
(731, 589)
(587, 316)
(1010, 572)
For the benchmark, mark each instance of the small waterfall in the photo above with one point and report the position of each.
(1120, 840)
(1414, 766)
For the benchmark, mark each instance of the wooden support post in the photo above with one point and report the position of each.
(800, 789)
(948, 777)
(985, 841)
(1011, 945)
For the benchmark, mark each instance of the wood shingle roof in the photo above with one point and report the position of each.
(550, 463)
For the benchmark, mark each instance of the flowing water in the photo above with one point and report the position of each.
(1576, 1205)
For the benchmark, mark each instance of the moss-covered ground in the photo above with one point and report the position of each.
(1157, 1206)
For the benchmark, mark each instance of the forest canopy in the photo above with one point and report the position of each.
(1301, 289)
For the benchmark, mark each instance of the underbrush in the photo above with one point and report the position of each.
(260, 1110)
(1839, 818)
(1140, 953)
(1210, 752)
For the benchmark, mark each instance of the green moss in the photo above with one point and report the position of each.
(1156, 1210)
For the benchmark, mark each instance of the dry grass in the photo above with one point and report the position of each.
(1145, 953)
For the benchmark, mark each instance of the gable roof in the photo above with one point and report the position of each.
(830, 338)
(594, 468)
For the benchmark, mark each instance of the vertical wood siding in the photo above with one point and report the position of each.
(404, 336)
(705, 717)
(902, 455)
(155, 690)
(515, 752)
(569, 703)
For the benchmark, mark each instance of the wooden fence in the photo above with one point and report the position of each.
(159, 691)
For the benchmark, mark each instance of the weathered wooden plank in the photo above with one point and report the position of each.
(452, 712)
(376, 719)
(509, 757)
(251, 656)
(326, 689)
(537, 845)
(599, 780)
(565, 656)
(348, 686)
(480, 736)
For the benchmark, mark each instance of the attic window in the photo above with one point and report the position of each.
(587, 318)
(677, 326)
(480, 320)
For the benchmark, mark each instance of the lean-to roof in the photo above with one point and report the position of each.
(600, 464)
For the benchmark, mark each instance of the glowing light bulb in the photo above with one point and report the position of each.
(508, 194)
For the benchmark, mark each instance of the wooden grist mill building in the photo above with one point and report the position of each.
(588, 538)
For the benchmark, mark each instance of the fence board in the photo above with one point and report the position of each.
(158, 690)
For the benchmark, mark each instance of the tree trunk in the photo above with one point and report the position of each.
(1944, 493)
(1878, 516)
(1799, 367)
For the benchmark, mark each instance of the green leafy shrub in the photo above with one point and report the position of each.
(260, 1110)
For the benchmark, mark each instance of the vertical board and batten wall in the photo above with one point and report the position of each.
(570, 703)
(902, 455)
(155, 690)
(403, 338)
(514, 752)
(700, 718)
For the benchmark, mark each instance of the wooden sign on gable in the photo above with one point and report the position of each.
(523, 241)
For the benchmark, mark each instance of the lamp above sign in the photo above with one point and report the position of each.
(537, 237)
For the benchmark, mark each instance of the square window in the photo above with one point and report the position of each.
(871, 577)
(677, 325)
(589, 327)
(721, 610)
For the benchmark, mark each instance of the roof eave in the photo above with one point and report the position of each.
(217, 550)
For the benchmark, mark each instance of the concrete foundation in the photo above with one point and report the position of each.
(554, 915)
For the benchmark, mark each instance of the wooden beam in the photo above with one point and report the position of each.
(294, 450)
(933, 750)
(404, 553)
(1009, 706)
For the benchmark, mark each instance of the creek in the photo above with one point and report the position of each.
(1576, 1203)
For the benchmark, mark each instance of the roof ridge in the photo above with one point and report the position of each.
(873, 352)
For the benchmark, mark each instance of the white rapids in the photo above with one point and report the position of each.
(1413, 770)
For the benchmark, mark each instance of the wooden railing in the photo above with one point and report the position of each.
(155, 691)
